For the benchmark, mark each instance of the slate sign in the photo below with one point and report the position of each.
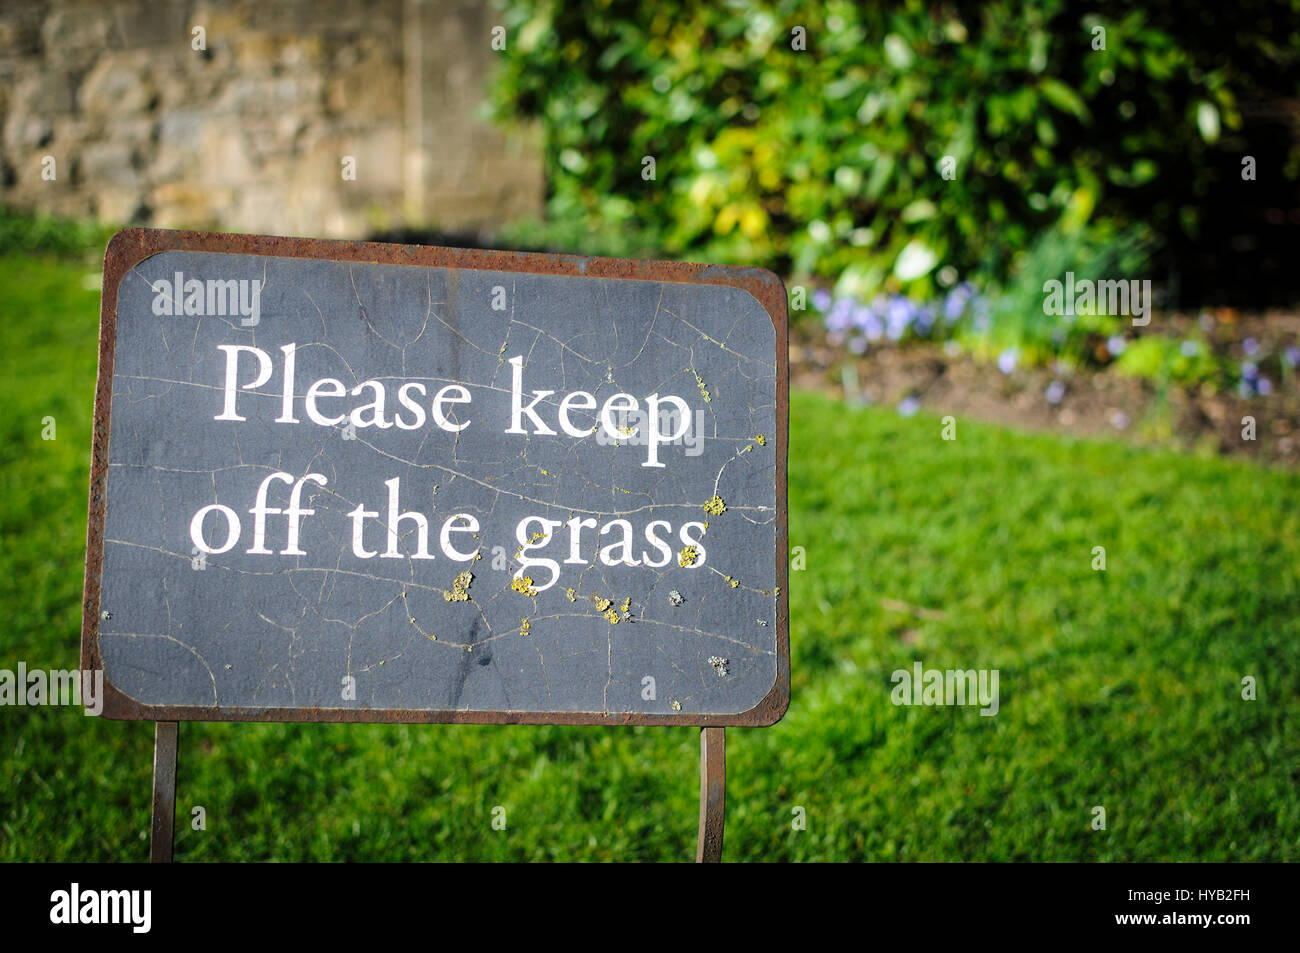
(357, 482)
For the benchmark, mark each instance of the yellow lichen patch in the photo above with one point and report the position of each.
(601, 603)
(704, 391)
(748, 447)
(715, 506)
(677, 706)
(524, 627)
(545, 472)
(627, 605)
(761, 440)
(687, 556)
(611, 617)
(524, 585)
(733, 583)
(459, 588)
(572, 594)
(536, 537)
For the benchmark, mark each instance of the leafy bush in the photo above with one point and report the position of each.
(830, 160)
(23, 233)
(1164, 359)
(1018, 317)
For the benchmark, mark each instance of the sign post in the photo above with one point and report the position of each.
(162, 815)
(713, 794)
(353, 482)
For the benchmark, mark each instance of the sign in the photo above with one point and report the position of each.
(358, 482)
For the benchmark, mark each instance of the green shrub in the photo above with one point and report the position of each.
(24, 233)
(1164, 359)
(830, 160)
(1018, 317)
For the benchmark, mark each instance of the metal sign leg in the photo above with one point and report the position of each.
(713, 794)
(164, 792)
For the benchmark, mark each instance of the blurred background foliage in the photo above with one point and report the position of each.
(46, 234)
(827, 163)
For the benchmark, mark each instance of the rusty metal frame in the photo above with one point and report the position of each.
(131, 246)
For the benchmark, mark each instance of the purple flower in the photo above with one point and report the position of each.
(1264, 386)
(1292, 355)
(955, 303)
(841, 316)
(821, 300)
(953, 306)
(908, 406)
(899, 315)
(1249, 371)
(902, 310)
(1250, 346)
(868, 321)
(924, 320)
(858, 345)
(1119, 420)
(1007, 361)
(1116, 344)
(1190, 348)
(1055, 392)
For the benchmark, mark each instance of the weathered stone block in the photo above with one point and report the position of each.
(108, 164)
(119, 84)
(45, 93)
(249, 133)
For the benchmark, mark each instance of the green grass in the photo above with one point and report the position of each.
(1118, 688)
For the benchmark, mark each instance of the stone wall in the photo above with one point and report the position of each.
(108, 111)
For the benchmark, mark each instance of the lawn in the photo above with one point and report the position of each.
(1118, 688)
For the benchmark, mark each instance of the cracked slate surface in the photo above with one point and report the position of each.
(277, 631)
